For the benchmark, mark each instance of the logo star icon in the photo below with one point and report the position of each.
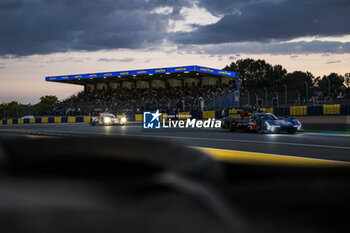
(155, 115)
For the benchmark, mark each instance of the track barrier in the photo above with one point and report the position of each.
(333, 109)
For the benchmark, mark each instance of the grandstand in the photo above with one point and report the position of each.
(185, 88)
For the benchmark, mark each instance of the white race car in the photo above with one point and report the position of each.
(107, 119)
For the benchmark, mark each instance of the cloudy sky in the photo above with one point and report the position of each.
(53, 37)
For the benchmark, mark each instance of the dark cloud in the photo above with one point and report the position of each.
(301, 47)
(66, 59)
(45, 26)
(30, 27)
(128, 59)
(223, 7)
(8, 4)
(332, 62)
(265, 20)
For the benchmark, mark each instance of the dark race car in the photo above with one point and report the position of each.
(262, 123)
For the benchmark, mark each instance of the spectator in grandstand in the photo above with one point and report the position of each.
(140, 99)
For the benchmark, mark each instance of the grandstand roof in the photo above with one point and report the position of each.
(131, 74)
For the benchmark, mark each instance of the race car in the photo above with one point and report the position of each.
(107, 119)
(262, 123)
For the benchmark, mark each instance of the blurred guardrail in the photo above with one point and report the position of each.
(335, 109)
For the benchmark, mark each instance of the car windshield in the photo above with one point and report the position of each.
(109, 115)
(267, 116)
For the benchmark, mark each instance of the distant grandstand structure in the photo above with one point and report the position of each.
(185, 88)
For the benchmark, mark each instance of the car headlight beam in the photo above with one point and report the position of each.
(107, 120)
(123, 119)
(271, 128)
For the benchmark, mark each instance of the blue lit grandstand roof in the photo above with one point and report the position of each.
(133, 73)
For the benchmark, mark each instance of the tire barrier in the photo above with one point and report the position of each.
(333, 109)
(183, 115)
(138, 117)
(281, 111)
(208, 114)
(298, 111)
(46, 120)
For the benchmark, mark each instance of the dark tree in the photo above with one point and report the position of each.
(9, 109)
(299, 80)
(337, 84)
(257, 73)
(46, 104)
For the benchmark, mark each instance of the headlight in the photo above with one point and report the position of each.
(107, 120)
(123, 119)
(299, 127)
(271, 128)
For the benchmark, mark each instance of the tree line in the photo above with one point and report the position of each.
(256, 74)
(15, 109)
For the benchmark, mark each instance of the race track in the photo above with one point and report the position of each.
(305, 145)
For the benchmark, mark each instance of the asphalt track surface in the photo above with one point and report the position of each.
(305, 145)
